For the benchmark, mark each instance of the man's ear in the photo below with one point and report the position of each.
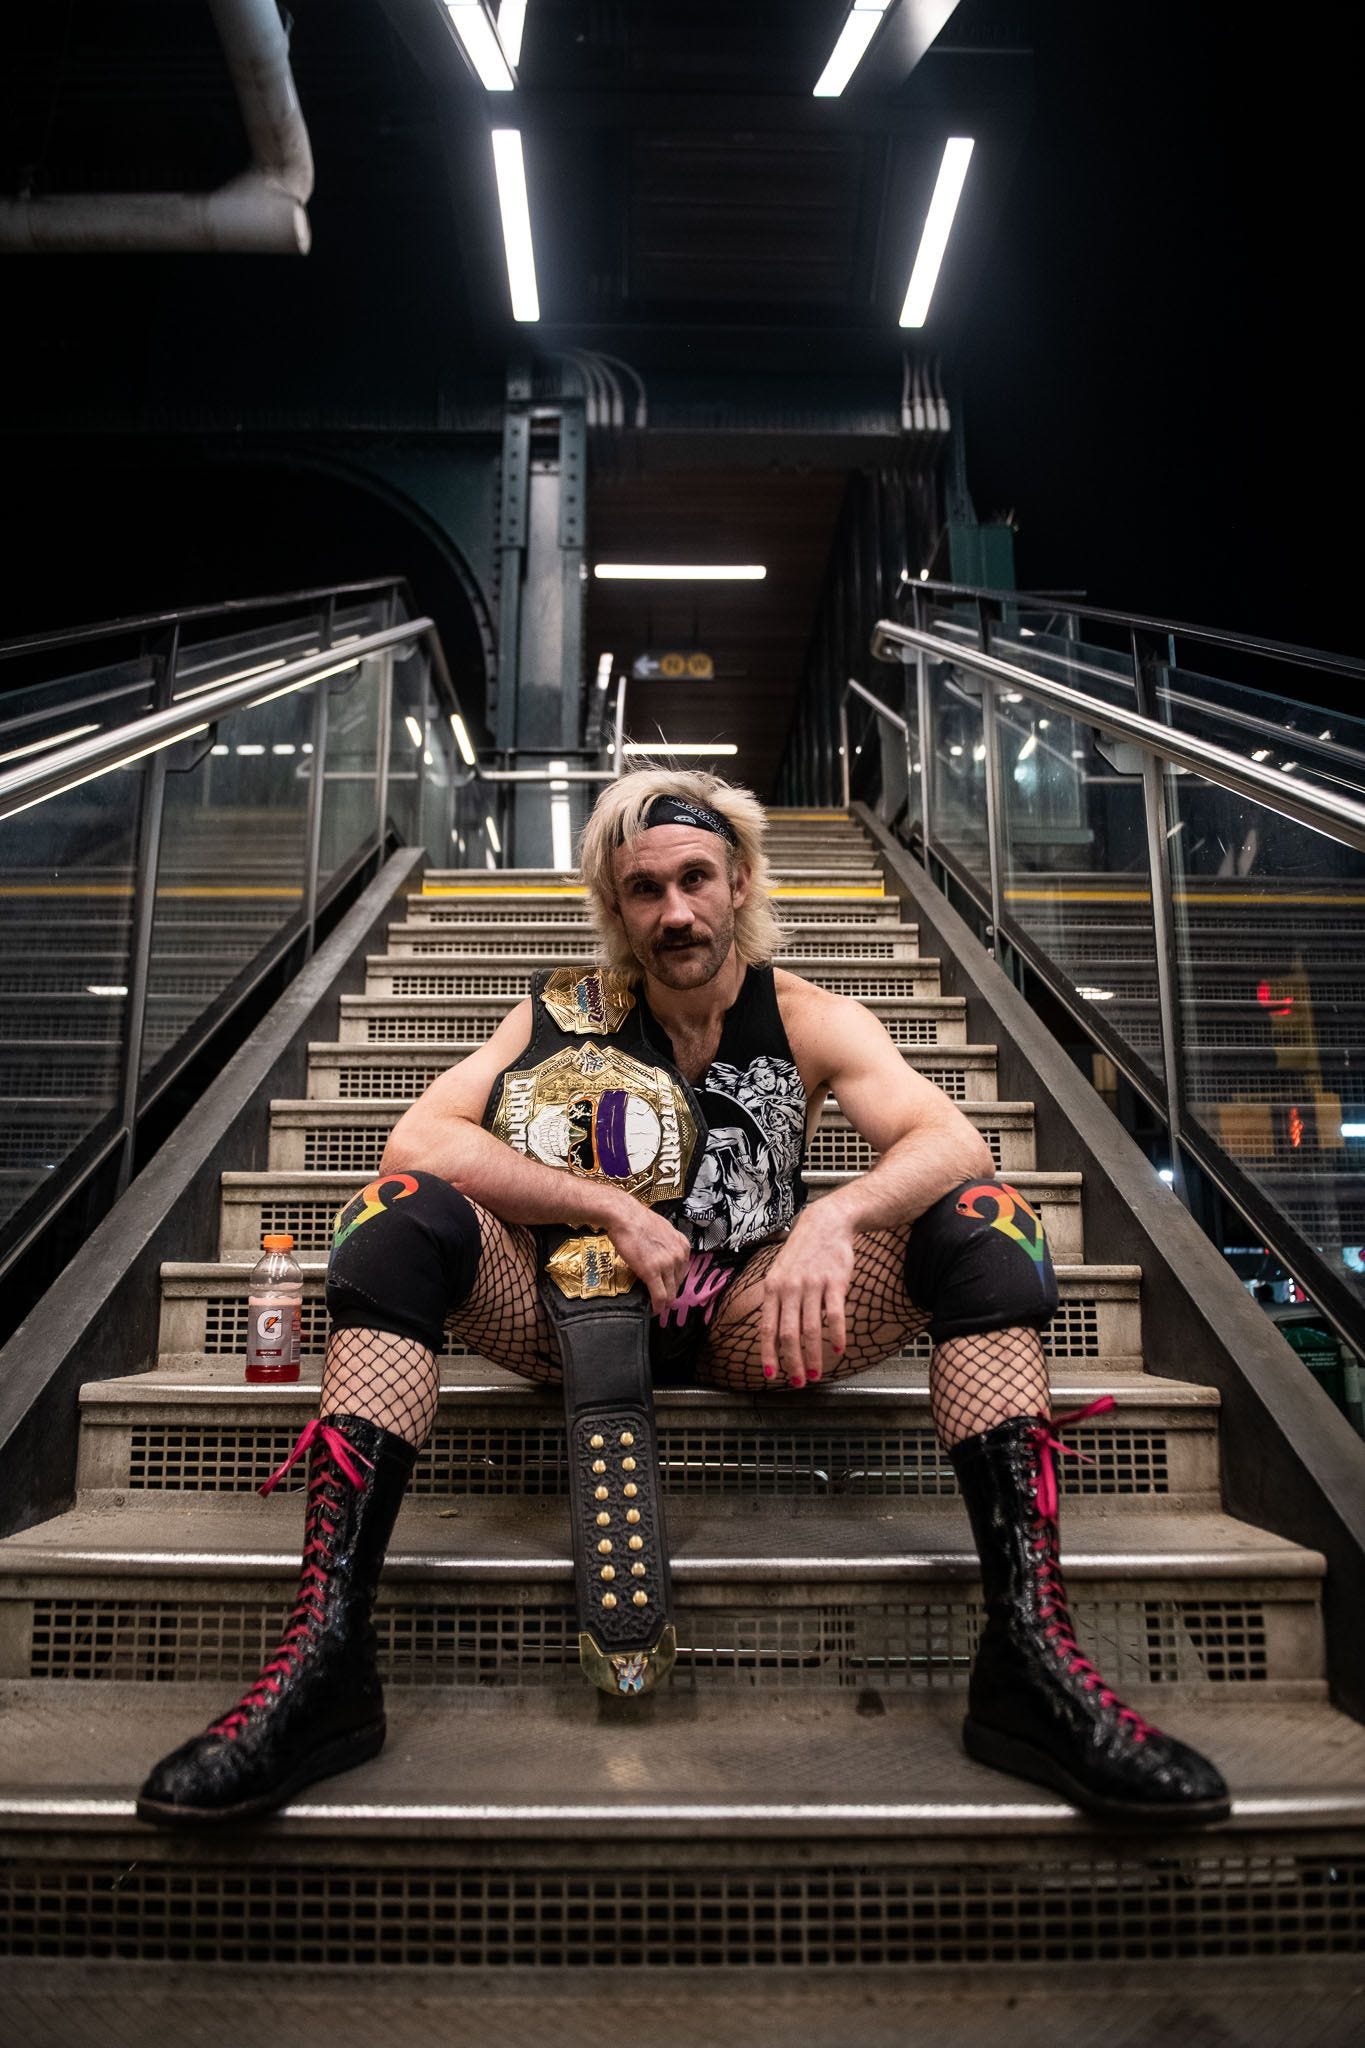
(739, 888)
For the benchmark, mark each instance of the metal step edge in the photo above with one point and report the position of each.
(313, 1109)
(912, 1752)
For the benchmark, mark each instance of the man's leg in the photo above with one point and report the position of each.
(1037, 1707)
(404, 1250)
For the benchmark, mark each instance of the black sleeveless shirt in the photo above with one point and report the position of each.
(749, 1186)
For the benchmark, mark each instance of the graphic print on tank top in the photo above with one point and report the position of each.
(748, 1186)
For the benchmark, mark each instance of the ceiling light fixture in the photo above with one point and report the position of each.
(605, 664)
(663, 746)
(414, 731)
(952, 172)
(510, 170)
(679, 572)
(850, 49)
(457, 726)
(511, 28)
(479, 39)
(561, 830)
(493, 840)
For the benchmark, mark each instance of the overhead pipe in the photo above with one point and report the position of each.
(261, 212)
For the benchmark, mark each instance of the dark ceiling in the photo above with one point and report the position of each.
(695, 211)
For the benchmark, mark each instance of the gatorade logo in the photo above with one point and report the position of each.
(270, 1325)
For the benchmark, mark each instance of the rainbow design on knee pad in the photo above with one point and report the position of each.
(373, 1202)
(1008, 1206)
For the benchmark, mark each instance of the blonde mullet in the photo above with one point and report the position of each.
(618, 817)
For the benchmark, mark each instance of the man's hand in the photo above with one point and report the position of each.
(656, 1253)
(803, 1298)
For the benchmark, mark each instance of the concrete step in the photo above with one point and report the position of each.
(203, 1430)
(560, 944)
(836, 896)
(570, 909)
(203, 1303)
(468, 1020)
(791, 1594)
(388, 976)
(349, 1137)
(399, 1073)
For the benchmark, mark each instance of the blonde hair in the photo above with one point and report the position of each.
(618, 817)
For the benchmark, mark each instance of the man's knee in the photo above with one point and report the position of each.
(405, 1251)
(978, 1260)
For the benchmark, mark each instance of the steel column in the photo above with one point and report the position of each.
(1147, 667)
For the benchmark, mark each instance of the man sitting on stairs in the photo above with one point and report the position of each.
(756, 1292)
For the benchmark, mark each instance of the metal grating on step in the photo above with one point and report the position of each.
(1072, 1333)
(1062, 1907)
(908, 1643)
(338, 1150)
(379, 1083)
(518, 1460)
(838, 1148)
(442, 982)
(40, 1076)
(421, 1028)
(453, 911)
(912, 1030)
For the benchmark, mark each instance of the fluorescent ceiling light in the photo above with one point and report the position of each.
(101, 988)
(251, 748)
(284, 747)
(1261, 754)
(1166, 1173)
(457, 726)
(1096, 995)
(1353, 1130)
(605, 663)
(679, 572)
(847, 54)
(1029, 744)
(957, 153)
(493, 840)
(55, 739)
(662, 746)
(414, 731)
(481, 44)
(511, 27)
(510, 171)
(220, 750)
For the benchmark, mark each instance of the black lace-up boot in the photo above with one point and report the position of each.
(1036, 1706)
(317, 1706)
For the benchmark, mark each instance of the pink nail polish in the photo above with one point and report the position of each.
(815, 1375)
(770, 1372)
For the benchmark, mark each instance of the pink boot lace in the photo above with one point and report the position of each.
(1052, 1607)
(320, 1528)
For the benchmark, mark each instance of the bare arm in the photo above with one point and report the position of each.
(443, 1134)
(927, 1147)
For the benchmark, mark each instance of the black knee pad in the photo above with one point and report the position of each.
(977, 1260)
(404, 1254)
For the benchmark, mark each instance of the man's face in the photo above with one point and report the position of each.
(676, 901)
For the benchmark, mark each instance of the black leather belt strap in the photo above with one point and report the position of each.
(592, 1094)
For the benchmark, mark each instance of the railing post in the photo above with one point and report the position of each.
(1156, 813)
(384, 738)
(316, 793)
(990, 736)
(924, 720)
(143, 923)
(844, 764)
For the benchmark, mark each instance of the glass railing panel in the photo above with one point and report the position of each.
(1270, 918)
(62, 710)
(1062, 658)
(349, 818)
(958, 765)
(407, 744)
(66, 893)
(1323, 748)
(1076, 875)
(233, 845)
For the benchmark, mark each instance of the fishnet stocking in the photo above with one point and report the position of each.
(391, 1381)
(879, 1313)
(975, 1382)
(504, 1319)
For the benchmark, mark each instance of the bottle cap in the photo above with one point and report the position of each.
(283, 1243)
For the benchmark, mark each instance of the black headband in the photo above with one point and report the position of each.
(676, 810)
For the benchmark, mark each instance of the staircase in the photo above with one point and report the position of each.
(798, 1799)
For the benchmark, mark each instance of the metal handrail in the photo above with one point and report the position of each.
(1338, 816)
(23, 787)
(1241, 643)
(148, 622)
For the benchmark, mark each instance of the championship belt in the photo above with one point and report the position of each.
(592, 1095)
